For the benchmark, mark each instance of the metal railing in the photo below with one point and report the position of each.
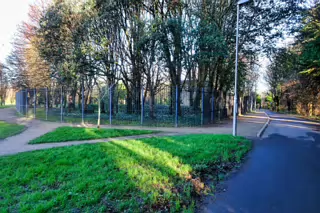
(165, 107)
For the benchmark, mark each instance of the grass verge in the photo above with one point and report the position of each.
(146, 175)
(7, 129)
(294, 113)
(310, 118)
(6, 106)
(63, 134)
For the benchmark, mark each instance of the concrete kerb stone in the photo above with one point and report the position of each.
(264, 126)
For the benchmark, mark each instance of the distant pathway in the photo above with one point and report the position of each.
(7, 149)
(248, 127)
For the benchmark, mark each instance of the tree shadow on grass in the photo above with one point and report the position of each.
(135, 175)
(158, 174)
(117, 176)
(210, 157)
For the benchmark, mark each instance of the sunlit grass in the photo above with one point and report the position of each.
(63, 134)
(7, 129)
(155, 174)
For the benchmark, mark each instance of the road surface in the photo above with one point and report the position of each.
(281, 174)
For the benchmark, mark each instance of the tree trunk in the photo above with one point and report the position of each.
(152, 104)
(172, 97)
(129, 103)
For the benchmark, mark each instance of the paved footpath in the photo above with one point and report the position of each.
(281, 174)
(248, 126)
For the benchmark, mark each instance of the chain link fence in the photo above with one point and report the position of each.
(118, 105)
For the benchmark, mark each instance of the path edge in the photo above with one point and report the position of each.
(260, 133)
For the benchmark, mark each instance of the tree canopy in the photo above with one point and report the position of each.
(294, 73)
(145, 44)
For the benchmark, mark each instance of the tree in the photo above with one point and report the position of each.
(4, 84)
(310, 50)
(294, 74)
(283, 68)
(145, 45)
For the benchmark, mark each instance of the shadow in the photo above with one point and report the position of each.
(123, 176)
(136, 175)
(175, 163)
(316, 138)
(208, 157)
(277, 172)
(90, 131)
(161, 177)
(168, 164)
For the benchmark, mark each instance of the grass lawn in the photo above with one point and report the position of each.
(63, 134)
(7, 129)
(119, 119)
(6, 106)
(154, 174)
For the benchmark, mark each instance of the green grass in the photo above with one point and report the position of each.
(63, 134)
(6, 106)
(7, 129)
(155, 174)
(133, 120)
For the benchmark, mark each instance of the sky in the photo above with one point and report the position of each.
(12, 13)
(262, 85)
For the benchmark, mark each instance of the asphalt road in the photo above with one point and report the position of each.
(281, 174)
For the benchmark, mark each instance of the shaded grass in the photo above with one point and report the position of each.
(6, 106)
(155, 174)
(7, 129)
(63, 134)
(164, 120)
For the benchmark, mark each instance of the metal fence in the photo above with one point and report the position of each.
(164, 107)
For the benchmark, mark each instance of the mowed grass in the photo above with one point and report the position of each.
(155, 174)
(63, 134)
(7, 129)
(6, 106)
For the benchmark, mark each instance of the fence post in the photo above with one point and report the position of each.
(82, 102)
(202, 106)
(110, 104)
(142, 105)
(61, 112)
(26, 102)
(20, 100)
(177, 108)
(47, 103)
(212, 108)
(17, 98)
(35, 102)
(17, 101)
